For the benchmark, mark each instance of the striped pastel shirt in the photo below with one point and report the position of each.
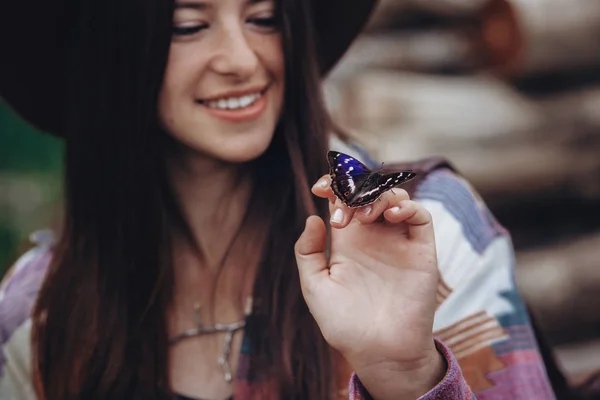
(481, 325)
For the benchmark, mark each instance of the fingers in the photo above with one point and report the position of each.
(395, 205)
(323, 188)
(372, 212)
(310, 249)
(340, 214)
(415, 216)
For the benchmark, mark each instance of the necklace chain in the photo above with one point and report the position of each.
(228, 329)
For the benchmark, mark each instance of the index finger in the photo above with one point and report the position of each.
(323, 188)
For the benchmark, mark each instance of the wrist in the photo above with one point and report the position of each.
(400, 380)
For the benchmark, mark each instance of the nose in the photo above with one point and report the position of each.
(235, 56)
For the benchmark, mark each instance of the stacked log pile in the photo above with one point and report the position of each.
(509, 91)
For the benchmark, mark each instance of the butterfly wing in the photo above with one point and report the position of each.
(355, 184)
(348, 175)
(389, 181)
(376, 185)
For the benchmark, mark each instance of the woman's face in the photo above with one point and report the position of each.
(222, 92)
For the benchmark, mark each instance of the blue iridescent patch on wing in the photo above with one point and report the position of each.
(355, 184)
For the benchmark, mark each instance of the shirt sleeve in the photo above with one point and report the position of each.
(451, 387)
(480, 315)
(18, 292)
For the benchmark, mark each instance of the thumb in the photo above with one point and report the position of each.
(310, 249)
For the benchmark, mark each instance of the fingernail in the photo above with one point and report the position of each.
(338, 216)
(395, 210)
(321, 183)
(366, 210)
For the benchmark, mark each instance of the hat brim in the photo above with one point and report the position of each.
(32, 76)
(338, 23)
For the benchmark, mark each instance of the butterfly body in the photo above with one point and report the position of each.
(355, 184)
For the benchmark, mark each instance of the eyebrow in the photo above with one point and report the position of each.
(200, 5)
(194, 5)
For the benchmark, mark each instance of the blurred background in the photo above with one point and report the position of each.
(507, 90)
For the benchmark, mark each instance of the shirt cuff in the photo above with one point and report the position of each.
(452, 387)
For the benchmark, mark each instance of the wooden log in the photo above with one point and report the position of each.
(579, 360)
(581, 106)
(506, 143)
(444, 108)
(423, 51)
(514, 38)
(451, 8)
(450, 108)
(502, 173)
(542, 36)
(391, 13)
(561, 283)
(386, 14)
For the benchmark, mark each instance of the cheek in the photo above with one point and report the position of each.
(168, 90)
(273, 60)
(166, 107)
(270, 52)
(181, 69)
(177, 85)
(278, 62)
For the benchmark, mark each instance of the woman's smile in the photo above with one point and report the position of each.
(237, 106)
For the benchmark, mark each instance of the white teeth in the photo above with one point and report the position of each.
(246, 101)
(234, 103)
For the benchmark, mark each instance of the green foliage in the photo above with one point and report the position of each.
(23, 148)
(30, 182)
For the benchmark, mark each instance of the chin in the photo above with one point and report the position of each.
(230, 144)
(241, 154)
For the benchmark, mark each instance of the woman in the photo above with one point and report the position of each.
(194, 131)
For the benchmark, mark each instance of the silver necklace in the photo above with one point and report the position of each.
(228, 329)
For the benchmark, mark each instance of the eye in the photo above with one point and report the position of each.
(185, 30)
(264, 22)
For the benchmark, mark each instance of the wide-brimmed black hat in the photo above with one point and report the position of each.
(33, 57)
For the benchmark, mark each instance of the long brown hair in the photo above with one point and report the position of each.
(99, 330)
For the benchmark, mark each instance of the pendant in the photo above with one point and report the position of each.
(228, 329)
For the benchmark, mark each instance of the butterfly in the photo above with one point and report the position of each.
(355, 184)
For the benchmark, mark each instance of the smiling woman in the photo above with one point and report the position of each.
(222, 92)
(193, 261)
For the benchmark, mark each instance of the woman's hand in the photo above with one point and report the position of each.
(374, 299)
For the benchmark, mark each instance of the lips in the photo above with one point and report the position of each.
(234, 100)
(233, 103)
(240, 106)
